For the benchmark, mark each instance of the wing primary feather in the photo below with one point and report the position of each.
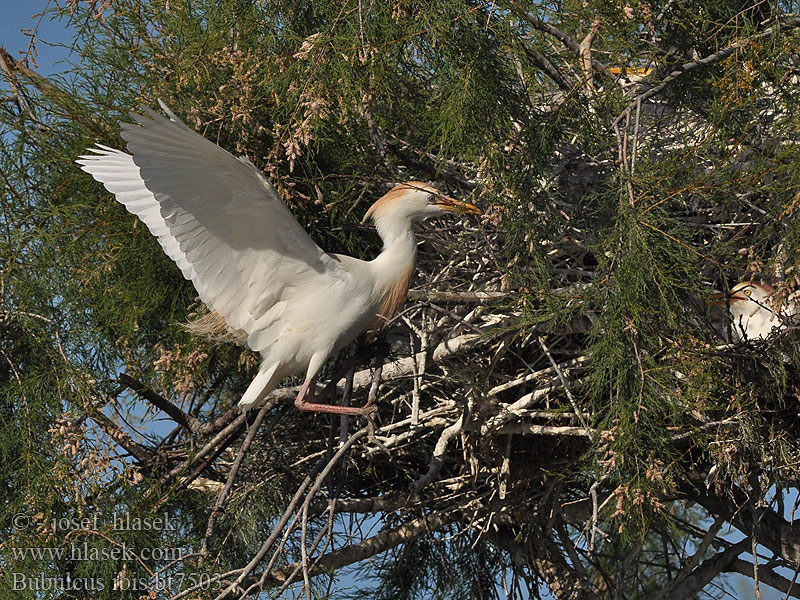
(218, 218)
(170, 114)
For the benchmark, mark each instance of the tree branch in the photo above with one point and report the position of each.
(541, 61)
(710, 568)
(417, 295)
(439, 451)
(218, 443)
(233, 472)
(540, 553)
(139, 452)
(768, 576)
(691, 575)
(703, 62)
(388, 503)
(568, 41)
(375, 545)
(176, 414)
(773, 532)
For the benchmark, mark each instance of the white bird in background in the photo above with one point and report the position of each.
(252, 263)
(753, 310)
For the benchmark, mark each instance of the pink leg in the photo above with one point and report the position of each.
(308, 389)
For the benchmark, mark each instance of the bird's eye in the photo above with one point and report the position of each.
(431, 198)
(748, 292)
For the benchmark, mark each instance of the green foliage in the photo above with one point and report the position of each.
(612, 213)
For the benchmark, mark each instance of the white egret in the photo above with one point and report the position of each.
(754, 311)
(252, 263)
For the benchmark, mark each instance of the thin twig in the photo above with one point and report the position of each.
(557, 369)
(233, 472)
(439, 451)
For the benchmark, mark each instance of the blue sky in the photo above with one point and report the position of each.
(53, 40)
(21, 16)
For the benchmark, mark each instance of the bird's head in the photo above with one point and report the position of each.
(752, 292)
(755, 309)
(747, 299)
(744, 293)
(415, 200)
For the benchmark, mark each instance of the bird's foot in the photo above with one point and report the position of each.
(335, 409)
(307, 390)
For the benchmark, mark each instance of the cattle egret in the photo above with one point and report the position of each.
(754, 311)
(252, 263)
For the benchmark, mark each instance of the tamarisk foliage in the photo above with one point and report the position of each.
(561, 411)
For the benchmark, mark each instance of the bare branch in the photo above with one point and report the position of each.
(773, 532)
(549, 29)
(139, 452)
(689, 568)
(177, 415)
(768, 576)
(439, 451)
(541, 61)
(216, 445)
(233, 472)
(695, 581)
(384, 541)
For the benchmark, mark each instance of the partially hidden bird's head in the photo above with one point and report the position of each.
(755, 309)
(754, 292)
(745, 295)
(415, 200)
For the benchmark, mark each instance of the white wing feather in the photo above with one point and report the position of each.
(218, 218)
(121, 177)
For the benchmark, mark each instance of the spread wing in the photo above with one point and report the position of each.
(217, 217)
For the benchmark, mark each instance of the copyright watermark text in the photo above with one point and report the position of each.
(91, 538)
(118, 521)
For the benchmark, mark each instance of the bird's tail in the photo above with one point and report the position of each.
(262, 384)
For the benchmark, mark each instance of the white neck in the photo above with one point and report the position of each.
(399, 251)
